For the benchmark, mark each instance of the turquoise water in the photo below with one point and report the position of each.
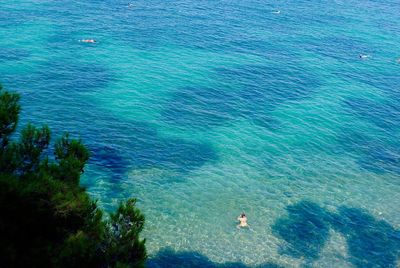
(204, 109)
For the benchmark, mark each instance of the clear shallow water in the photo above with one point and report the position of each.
(204, 109)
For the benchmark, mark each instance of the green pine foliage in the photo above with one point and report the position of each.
(47, 219)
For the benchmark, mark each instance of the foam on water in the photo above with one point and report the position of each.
(205, 109)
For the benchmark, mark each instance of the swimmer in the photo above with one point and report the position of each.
(130, 5)
(276, 12)
(243, 221)
(88, 41)
(363, 56)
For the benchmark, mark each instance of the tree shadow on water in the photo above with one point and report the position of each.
(370, 242)
(169, 258)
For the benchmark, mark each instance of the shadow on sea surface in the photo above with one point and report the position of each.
(188, 259)
(370, 242)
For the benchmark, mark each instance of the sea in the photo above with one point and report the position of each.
(288, 111)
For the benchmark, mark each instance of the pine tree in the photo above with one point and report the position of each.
(48, 219)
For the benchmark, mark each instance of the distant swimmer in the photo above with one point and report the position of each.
(130, 5)
(363, 56)
(276, 12)
(242, 221)
(88, 41)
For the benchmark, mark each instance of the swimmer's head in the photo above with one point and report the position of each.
(242, 215)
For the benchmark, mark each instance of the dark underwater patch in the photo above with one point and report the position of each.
(110, 157)
(188, 259)
(371, 242)
(131, 144)
(305, 230)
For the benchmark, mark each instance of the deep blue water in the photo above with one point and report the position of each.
(204, 109)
